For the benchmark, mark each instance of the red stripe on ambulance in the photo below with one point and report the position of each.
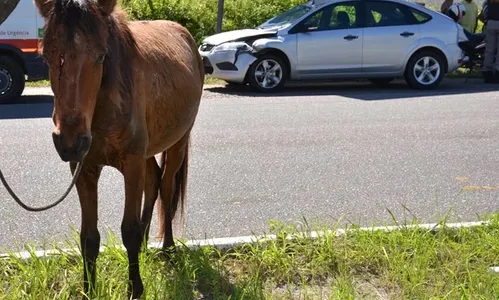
(25, 45)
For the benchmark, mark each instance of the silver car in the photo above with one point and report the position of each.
(377, 40)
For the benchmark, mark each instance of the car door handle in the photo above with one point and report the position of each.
(406, 34)
(350, 37)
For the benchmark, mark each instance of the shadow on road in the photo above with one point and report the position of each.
(28, 107)
(364, 90)
(40, 106)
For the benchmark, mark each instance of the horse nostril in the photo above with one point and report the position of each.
(84, 143)
(57, 140)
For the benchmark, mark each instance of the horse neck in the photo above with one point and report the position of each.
(118, 81)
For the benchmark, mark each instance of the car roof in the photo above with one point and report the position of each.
(417, 5)
(410, 3)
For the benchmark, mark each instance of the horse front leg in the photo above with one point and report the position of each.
(86, 186)
(133, 170)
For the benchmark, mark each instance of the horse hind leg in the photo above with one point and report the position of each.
(151, 191)
(172, 189)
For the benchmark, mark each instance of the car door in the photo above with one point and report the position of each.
(329, 42)
(391, 32)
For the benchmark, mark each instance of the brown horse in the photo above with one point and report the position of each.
(123, 92)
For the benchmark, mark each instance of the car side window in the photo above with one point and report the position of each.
(419, 16)
(343, 16)
(385, 13)
(313, 22)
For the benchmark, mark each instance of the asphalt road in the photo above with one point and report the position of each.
(346, 150)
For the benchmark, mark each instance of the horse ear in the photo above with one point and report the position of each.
(107, 6)
(44, 7)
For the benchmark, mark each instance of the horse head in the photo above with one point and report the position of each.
(75, 48)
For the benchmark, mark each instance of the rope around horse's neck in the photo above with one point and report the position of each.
(29, 208)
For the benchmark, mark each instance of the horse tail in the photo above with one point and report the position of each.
(201, 68)
(159, 204)
(179, 193)
(181, 184)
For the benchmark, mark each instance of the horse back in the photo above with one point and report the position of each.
(168, 49)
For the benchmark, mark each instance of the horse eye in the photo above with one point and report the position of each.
(100, 59)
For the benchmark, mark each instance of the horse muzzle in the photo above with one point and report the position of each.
(72, 152)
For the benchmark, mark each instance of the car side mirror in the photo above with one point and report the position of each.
(301, 28)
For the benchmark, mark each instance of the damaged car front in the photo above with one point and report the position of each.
(233, 56)
(230, 58)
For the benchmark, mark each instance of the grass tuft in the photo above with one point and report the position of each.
(407, 263)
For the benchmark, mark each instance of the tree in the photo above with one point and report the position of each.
(220, 15)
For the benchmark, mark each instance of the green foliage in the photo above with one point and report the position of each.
(200, 17)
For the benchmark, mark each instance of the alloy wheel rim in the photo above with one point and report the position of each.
(268, 73)
(427, 70)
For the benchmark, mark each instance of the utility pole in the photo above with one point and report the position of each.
(220, 15)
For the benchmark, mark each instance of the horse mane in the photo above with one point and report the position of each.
(78, 25)
(118, 66)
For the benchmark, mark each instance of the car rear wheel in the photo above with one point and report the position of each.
(11, 80)
(267, 74)
(425, 70)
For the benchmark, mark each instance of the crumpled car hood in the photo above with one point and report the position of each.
(241, 34)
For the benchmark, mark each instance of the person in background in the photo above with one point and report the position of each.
(490, 67)
(470, 19)
(445, 6)
(483, 16)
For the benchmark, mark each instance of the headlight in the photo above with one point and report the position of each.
(233, 46)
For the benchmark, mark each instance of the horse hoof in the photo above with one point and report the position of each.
(135, 290)
(168, 254)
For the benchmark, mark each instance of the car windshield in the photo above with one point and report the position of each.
(287, 17)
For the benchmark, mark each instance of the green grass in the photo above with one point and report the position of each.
(460, 73)
(403, 264)
(46, 83)
(38, 83)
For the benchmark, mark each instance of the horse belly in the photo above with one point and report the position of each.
(163, 141)
(173, 79)
(170, 123)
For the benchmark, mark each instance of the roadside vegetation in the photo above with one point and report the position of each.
(46, 83)
(200, 17)
(407, 263)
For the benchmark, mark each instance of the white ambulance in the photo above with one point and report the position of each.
(21, 30)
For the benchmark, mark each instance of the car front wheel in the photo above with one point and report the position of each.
(267, 74)
(425, 70)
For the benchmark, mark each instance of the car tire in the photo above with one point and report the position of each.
(259, 75)
(381, 81)
(12, 80)
(428, 62)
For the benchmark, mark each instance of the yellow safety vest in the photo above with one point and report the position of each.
(469, 19)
